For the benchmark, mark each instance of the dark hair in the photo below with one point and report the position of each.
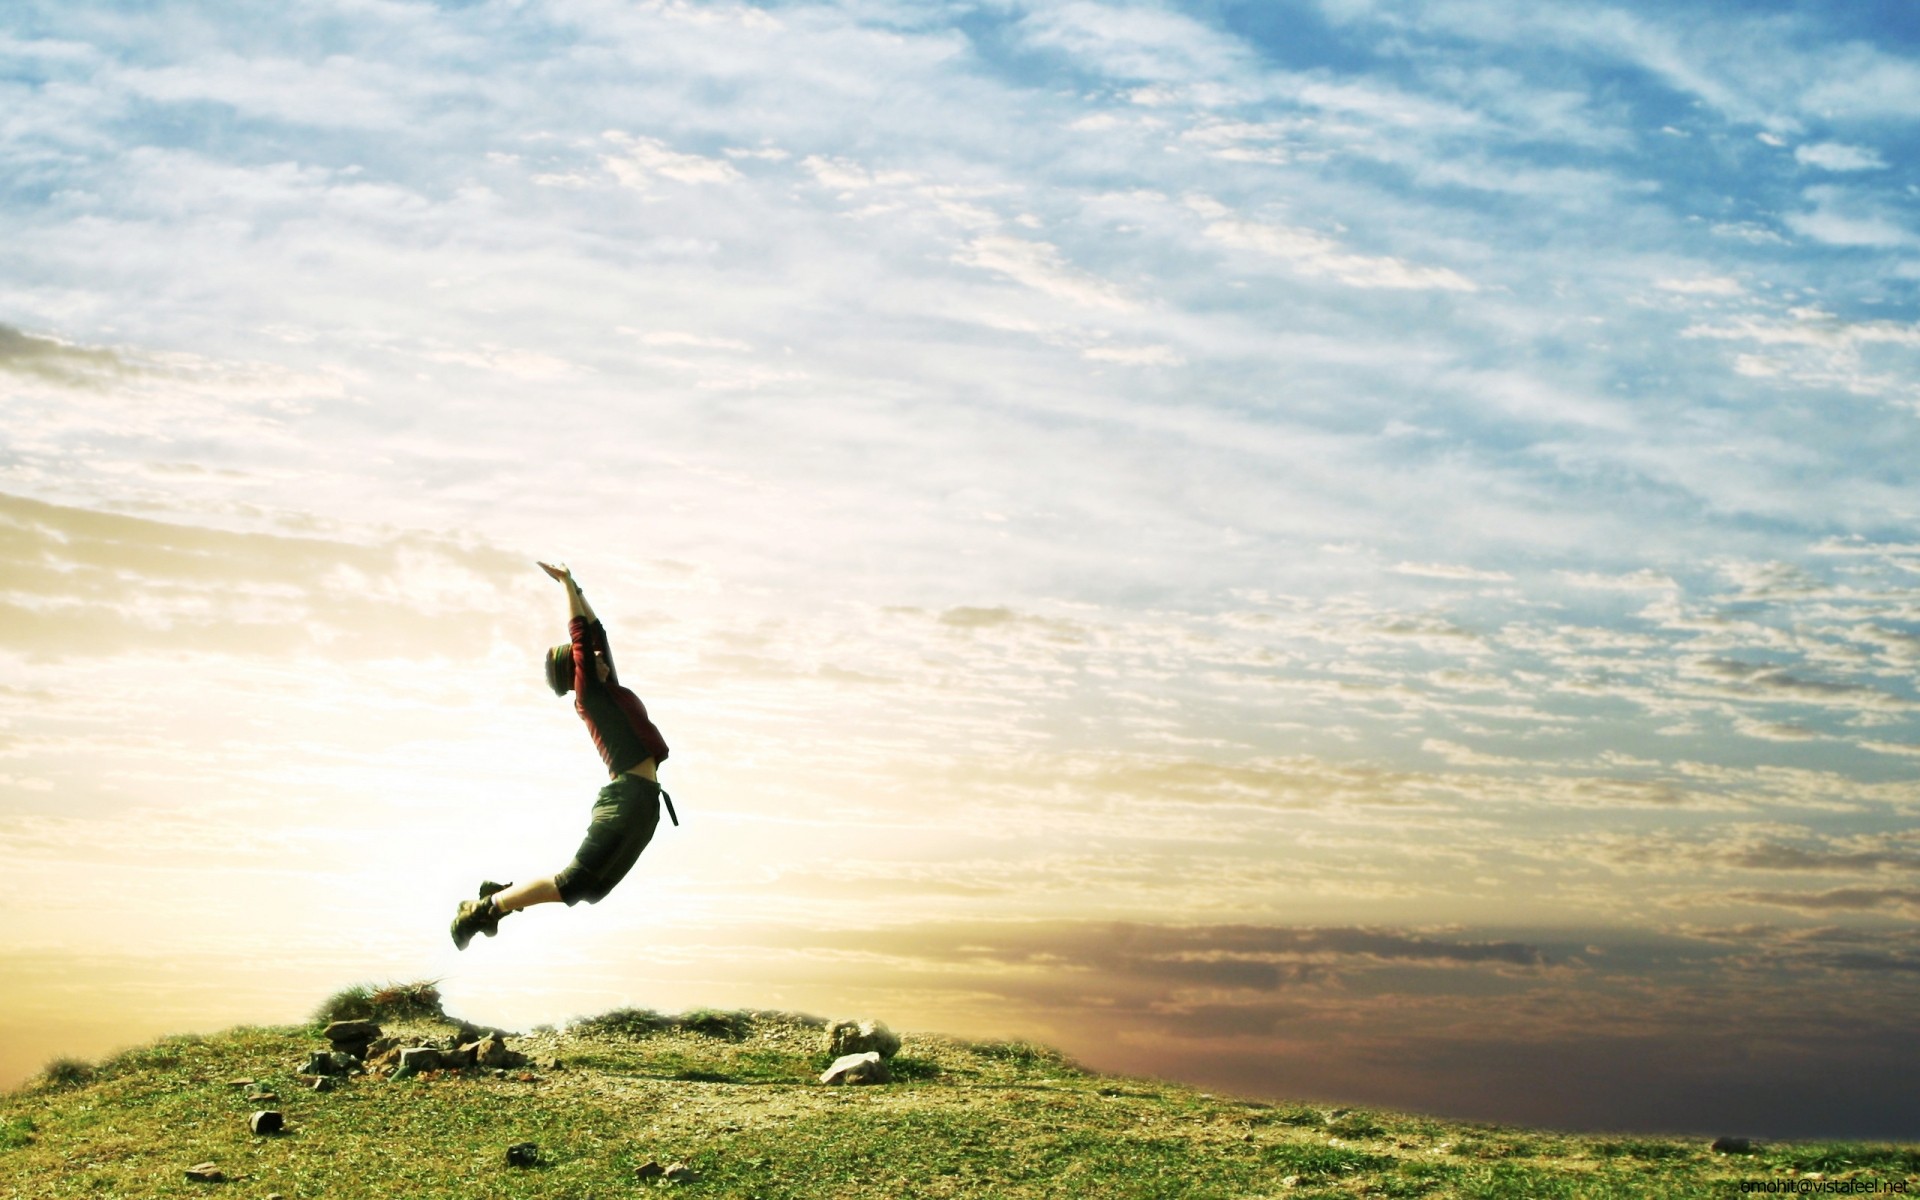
(560, 668)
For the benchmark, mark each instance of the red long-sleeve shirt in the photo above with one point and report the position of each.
(621, 731)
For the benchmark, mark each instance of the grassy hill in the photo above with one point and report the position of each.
(734, 1097)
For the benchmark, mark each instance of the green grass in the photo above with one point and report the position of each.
(734, 1095)
(382, 1002)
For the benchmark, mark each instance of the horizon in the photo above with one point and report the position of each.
(1323, 549)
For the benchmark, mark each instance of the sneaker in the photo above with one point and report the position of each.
(473, 916)
(487, 889)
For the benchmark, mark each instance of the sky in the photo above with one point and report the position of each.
(1329, 550)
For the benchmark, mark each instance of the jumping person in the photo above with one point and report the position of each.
(628, 810)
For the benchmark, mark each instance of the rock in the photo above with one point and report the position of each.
(205, 1173)
(323, 1084)
(523, 1154)
(386, 1058)
(348, 1033)
(262, 1098)
(416, 1059)
(680, 1173)
(456, 1060)
(859, 1037)
(266, 1121)
(344, 1062)
(649, 1170)
(321, 1063)
(491, 1051)
(857, 1068)
(1732, 1145)
(239, 1083)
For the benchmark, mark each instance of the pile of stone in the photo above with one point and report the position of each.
(863, 1048)
(360, 1047)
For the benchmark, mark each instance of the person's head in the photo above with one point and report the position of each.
(560, 669)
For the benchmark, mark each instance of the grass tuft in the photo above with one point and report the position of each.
(67, 1073)
(1027, 1056)
(728, 1026)
(418, 1001)
(633, 1023)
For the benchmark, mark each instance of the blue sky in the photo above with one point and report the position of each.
(1391, 504)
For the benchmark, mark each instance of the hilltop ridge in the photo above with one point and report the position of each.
(734, 1098)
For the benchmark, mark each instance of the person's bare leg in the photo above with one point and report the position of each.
(525, 895)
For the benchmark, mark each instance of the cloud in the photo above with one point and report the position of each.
(1719, 285)
(83, 583)
(57, 361)
(337, 91)
(1644, 579)
(1767, 855)
(1316, 254)
(1464, 756)
(1836, 156)
(1133, 42)
(1135, 356)
(1038, 265)
(1452, 571)
(1904, 902)
(1842, 218)
(646, 160)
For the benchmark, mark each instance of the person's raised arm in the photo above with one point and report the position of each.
(577, 605)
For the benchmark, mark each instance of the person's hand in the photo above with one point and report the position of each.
(561, 572)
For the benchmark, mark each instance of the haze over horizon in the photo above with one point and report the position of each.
(1330, 549)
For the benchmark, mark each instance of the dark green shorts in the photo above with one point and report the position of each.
(624, 818)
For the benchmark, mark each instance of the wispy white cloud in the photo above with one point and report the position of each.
(643, 161)
(1314, 253)
(1838, 156)
(1040, 266)
(1839, 218)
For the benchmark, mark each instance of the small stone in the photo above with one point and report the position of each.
(322, 1084)
(523, 1154)
(320, 1063)
(649, 1170)
(491, 1051)
(456, 1060)
(857, 1069)
(266, 1121)
(261, 1098)
(205, 1172)
(239, 1083)
(680, 1173)
(416, 1059)
(1732, 1145)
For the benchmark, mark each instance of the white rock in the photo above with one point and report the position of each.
(857, 1068)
